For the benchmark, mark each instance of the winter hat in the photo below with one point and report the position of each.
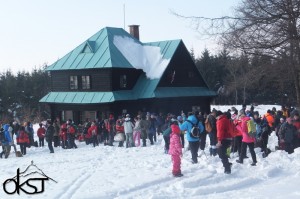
(219, 113)
(179, 118)
(242, 112)
(127, 115)
(173, 120)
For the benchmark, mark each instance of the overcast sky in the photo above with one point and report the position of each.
(34, 32)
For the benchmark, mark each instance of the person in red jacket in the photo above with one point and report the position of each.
(71, 135)
(92, 134)
(247, 140)
(23, 140)
(63, 135)
(237, 139)
(41, 134)
(224, 140)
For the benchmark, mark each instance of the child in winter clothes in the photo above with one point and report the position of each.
(120, 132)
(137, 131)
(247, 140)
(175, 149)
(41, 134)
(92, 134)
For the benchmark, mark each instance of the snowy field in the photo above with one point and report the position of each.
(112, 172)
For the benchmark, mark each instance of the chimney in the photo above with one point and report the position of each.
(134, 31)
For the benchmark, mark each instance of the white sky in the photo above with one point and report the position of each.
(34, 32)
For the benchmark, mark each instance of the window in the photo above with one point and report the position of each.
(88, 115)
(65, 115)
(86, 82)
(123, 81)
(73, 82)
(190, 74)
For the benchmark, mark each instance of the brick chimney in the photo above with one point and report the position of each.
(134, 31)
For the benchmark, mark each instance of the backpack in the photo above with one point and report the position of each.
(251, 128)
(195, 131)
(208, 127)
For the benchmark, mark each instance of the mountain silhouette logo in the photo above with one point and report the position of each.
(33, 185)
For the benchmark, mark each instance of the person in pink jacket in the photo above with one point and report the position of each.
(175, 149)
(246, 141)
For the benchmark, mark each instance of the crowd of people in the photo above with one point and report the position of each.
(228, 133)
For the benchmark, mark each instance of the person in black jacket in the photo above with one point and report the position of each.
(287, 135)
(49, 135)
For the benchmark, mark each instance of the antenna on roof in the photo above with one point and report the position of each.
(124, 14)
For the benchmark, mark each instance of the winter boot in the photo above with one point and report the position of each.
(178, 175)
(239, 161)
(214, 152)
(227, 169)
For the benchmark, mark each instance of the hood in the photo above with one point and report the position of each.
(5, 127)
(193, 119)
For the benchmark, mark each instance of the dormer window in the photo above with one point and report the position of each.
(73, 82)
(123, 81)
(86, 82)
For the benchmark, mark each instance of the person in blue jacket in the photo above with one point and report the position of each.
(193, 142)
(6, 142)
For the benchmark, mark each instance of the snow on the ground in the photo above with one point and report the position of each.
(145, 172)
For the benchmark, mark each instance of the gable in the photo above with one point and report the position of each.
(182, 71)
(89, 47)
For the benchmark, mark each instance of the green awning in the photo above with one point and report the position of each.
(108, 97)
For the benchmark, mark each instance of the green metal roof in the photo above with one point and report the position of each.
(108, 97)
(99, 51)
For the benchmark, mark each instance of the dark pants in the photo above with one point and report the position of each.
(202, 140)
(194, 146)
(289, 147)
(5, 150)
(41, 141)
(64, 144)
(182, 139)
(244, 150)
(237, 144)
(213, 138)
(50, 145)
(150, 136)
(264, 143)
(154, 136)
(144, 141)
(71, 141)
(95, 140)
(111, 138)
(222, 151)
(56, 141)
(23, 148)
(167, 143)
